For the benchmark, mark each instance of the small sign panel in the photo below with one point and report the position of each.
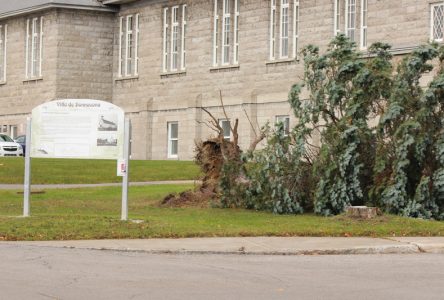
(77, 128)
(121, 167)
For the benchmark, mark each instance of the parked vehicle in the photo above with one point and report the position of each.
(21, 139)
(8, 147)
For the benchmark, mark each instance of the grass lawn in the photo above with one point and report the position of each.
(94, 214)
(68, 171)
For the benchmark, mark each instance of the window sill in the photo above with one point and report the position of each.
(173, 74)
(2, 82)
(284, 61)
(226, 68)
(393, 51)
(34, 79)
(126, 78)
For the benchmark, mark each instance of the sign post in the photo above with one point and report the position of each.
(126, 161)
(82, 129)
(27, 184)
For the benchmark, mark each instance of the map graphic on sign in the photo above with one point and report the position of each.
(77, 128)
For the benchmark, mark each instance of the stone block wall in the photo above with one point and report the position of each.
(85, 54)
(18, 96)
(257, 85)
(77, 62)
(81, 61)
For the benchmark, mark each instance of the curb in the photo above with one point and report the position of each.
(398, 249)
(429, 248)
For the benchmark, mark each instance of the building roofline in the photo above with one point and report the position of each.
(118, 2)
(46, 6)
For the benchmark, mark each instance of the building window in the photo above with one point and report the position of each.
(183, 61)
(3, 50)
(284, 26)
(13, 131)
(34, 47)
(364, 17)
(285, 121)
(226, 128)
(226, 32)
(437, 22)
(173, 139)
(174, 38)
(128, 46)
(337, 17)
(345, 14)
(350, 19)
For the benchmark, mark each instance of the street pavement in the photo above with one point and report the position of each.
(42, 272)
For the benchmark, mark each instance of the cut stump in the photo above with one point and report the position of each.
(362, 212)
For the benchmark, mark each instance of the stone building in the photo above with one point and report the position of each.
(161, 60)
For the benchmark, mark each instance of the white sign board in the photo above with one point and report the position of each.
(77, 128)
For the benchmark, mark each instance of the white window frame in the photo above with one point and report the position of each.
(364, 25)
(171, 140)
(128, 47)
(337, 18)
(349, 17)
(3, 50)
(13, 131)
(216, 34)
(296, 14)
(236, 32)
(120, 46)
(136, 46)
(226, 33)
(174, 38)
(183, 63)
(34, 47)
(128, 52)
(432, 21)
(226, 23)
(273, 30)
(285, 120)
(165, 39)
(285, 43)
(221, 124)
(285, 4)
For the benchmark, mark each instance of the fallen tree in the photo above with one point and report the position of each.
(221, 162)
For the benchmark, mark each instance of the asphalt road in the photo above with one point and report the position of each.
(28, 272)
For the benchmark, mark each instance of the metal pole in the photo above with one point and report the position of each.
(126, 157)
(27, 184)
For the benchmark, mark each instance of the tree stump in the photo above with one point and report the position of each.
(362, 212)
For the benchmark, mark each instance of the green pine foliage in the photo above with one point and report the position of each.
(279, 179)
(366, 134)
(345, 91)
(410, 162)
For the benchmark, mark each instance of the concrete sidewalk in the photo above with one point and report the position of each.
(35, 187)
(257, 245)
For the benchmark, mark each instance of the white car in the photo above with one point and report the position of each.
(8, 147)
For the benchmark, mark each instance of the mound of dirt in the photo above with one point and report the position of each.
(188, 199)
(210, 158)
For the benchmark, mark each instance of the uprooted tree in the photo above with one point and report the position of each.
(397, 164)
(221, 162)
(345, 92)
(365, 134)
(293, 174)
(409, 174)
